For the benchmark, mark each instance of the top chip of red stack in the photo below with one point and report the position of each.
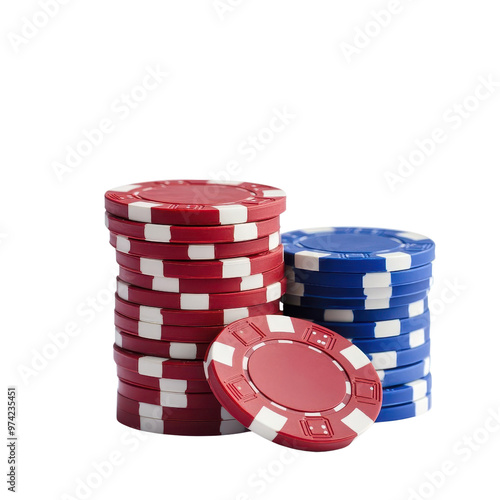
(196, 202)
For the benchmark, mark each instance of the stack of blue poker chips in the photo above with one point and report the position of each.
(371, 286)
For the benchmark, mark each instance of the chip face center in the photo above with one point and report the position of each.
(196, 194)
(297, 377)
(350, 243)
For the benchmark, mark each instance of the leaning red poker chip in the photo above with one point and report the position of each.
(154, 366)
(162, 348)
(164, 412)
(195, 202)
(185, 251)
(175, 317)
(179, 427)
(179, 285)
(293, 382)
(163, 384)
(170, 399)
(200, 301)
(167, 333)
(225, 268)
(192, 234)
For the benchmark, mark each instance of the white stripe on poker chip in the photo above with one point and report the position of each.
(358, 421)
(183, 350)
(308, 260)
(118, 339)
(280, 324)
(273, 193)
(150, 366)
(355, 356)
(141, 210)
(389, 328)
(158, 233)
(150, 411)
(173, 400)
(245, 232)
(421, 406)
(377, 280)
(127, 187)
(122, 244)
(149, 331)
(231, 426)
(427, 366)
(152, 425)
(122, 290)
(222, 353)
(378, 293)
(274, 240)
(420, 389)
(150, 314)
(163, 284)
(417, 338)
(412, 236)
(384, 360)
(377, 303)
(106, 220)
(416, 308)
(339, 315)
(172, 385)
(396, 261)
(231, 315)
(268, 423)
(235, 268)
(273, 292)
(252, 282)
(232, 214)
(195, 301)
(201, 252)
(153, 267)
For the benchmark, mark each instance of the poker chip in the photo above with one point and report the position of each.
(170, 399)
(185, 251)
(394, 359)
(180, 427)
(353, 303)
(196, 203)
(407, 393)
(200, 301)
(305, 289)
(192, 234)
(178, 285)
(293, 382)
(173, 317)
(397, 343)
(162, 384)
(357, 315)
(175, 350)
(153, 366)
(201, 269)
(356, 250)
(359, 280)
(404, 374)
(409, 410)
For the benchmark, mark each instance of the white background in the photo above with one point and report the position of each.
(353, 118)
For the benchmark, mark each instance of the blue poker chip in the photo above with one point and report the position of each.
(356, 250)
(398, 343)
(404, 374)
(352, 303)
(306, 289)
(356, 315)
(409, 410)
(407, 393)
(394, 359)
(359, 280)
(378, 329)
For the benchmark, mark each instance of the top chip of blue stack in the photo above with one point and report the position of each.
(356, 250)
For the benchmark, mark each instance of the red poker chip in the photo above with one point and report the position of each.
(153, 366)
(164, 412)
(200, 301)
(169, 399)
(200, 269)
(165, 333)
(192, 318)
(180, 427)
(161, 348)
(196, 202)
(184, 251)
(192, 234)
(293, 382)
(225, 285)
(163, 384)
